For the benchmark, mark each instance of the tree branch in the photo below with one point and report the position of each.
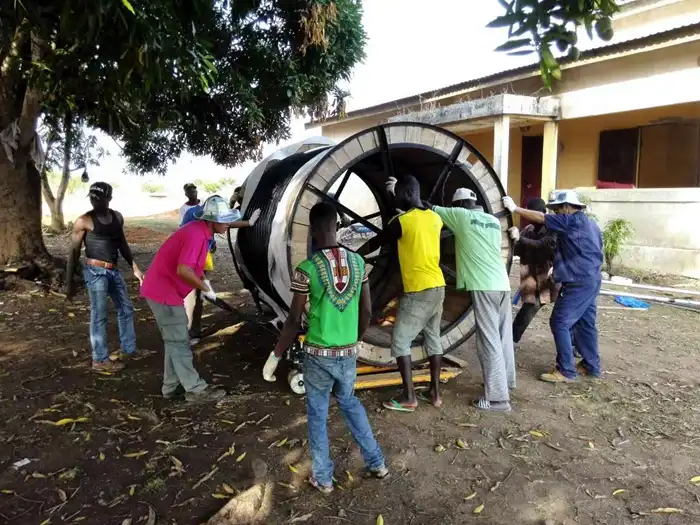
(46, 189)
(31, 106)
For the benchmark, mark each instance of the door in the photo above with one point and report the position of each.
(531, 170)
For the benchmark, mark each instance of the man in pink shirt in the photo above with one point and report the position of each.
(176, 270)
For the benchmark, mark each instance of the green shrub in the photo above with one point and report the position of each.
(615, 234)
(148, 187)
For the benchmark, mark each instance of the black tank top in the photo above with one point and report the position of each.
(103, 242)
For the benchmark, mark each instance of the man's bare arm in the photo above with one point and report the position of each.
(291, 325)
(125, 250)
(365, 310)
(533, 216)
(80, 228)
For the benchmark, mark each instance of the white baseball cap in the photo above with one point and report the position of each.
(464, 194)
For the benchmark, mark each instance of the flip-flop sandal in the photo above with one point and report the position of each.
(482, 404)
(392, 404)
(423, 397)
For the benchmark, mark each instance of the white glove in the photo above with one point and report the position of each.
(210, 293)
(254, 217)
(270, 367)
(514, 233)
(509, 204)
(391, 185)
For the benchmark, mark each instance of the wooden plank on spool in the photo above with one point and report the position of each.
(368, 141)
(299, 243)
(463, 157)
(494, 197)
(308, 199)
(428, 137)
(480, 171)
(396, 135)
(341, 158)
(301, 216)
(327, 170)
(353, 149)
(413, 134)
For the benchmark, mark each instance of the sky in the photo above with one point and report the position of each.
(413, 46)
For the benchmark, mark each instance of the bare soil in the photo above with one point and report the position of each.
(610, 452)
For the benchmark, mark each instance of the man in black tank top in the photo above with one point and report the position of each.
(102, 230)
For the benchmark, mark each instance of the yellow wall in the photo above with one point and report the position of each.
(578, 150)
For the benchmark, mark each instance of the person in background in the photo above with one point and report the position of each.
(192, 199)
(417, 235)
(577, 263)
(482, 272)
(236, 199)
(102, 231)
(334, 282)
(177, 269)
(535, 245)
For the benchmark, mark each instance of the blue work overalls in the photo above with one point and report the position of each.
(577, 264)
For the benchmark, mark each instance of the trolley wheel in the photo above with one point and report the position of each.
(296, 381)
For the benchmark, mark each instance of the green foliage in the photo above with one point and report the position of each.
(534, 26)
(148, 187)
(212, 77)
(75, 185)
(615, 234)
(589, 208)
(214, 186)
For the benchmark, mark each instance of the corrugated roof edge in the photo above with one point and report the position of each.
(598, 52)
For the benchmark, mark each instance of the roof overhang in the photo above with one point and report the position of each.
(481, 113)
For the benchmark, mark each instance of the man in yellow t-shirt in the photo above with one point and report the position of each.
(417, 234)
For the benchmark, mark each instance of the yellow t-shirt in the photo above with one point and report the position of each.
(419, 250)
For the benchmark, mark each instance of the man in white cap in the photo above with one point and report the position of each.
(481, 272)
(176, 270)
(577, 263)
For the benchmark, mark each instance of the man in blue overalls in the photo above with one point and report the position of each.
(577, 263)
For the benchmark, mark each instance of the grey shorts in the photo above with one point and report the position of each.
(418, 312)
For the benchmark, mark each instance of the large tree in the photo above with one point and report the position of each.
(549, 28)
(212, 77)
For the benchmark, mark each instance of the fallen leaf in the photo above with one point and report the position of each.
(71, 314)
(350, 478)
(293, 469)
(176, 462)
(281, 443)
(591, 445)
(7, 491)
(695, 480)
(45, 522)
(538, 433)
(127, 521)
(239, 427)
(62, 495)
(471, 496)
(64, 421)
(132, 490)
(240, 458)
(479, 509)
(667, 510)
(133, 418)
(38, 475)
(136, 454)
(151, 516)
(380, 520)
(228, 488)
(461, 444)
(220, 496)
(227, 422)
(618, 491)
(102, 456)
(286, 485)
(301, 519)
(439, 448)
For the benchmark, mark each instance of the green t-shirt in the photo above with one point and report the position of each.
(332, 278)
(478, 245)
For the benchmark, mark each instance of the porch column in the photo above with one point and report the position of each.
(550, 149)
(501, 146)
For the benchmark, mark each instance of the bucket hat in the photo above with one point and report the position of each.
(215, 209)
(559, 197)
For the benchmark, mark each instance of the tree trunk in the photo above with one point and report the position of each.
(22, 245)
(58, 223)
(55, 204)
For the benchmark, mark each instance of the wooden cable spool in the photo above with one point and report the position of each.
(354, 172)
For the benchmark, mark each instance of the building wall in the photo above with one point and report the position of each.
(665, 221)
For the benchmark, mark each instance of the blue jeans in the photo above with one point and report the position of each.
(323, 375)
(574, 319)
(101, 284)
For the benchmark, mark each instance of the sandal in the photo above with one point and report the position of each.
(500, 406)
(392, 404)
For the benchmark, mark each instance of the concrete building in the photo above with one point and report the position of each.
(623, 127)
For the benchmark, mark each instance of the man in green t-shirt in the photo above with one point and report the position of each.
(481, 272)
(333, 281)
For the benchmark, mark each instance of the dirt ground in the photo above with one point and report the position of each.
(592, 452)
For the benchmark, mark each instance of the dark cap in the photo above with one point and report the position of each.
(100, 190)
(188, 186)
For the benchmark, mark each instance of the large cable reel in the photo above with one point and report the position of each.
(287, 184)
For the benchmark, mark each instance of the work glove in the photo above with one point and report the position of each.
(391, 185)
(210, 293)
(514, 233)
(254, 217)
(270, 367)
(509, 204)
